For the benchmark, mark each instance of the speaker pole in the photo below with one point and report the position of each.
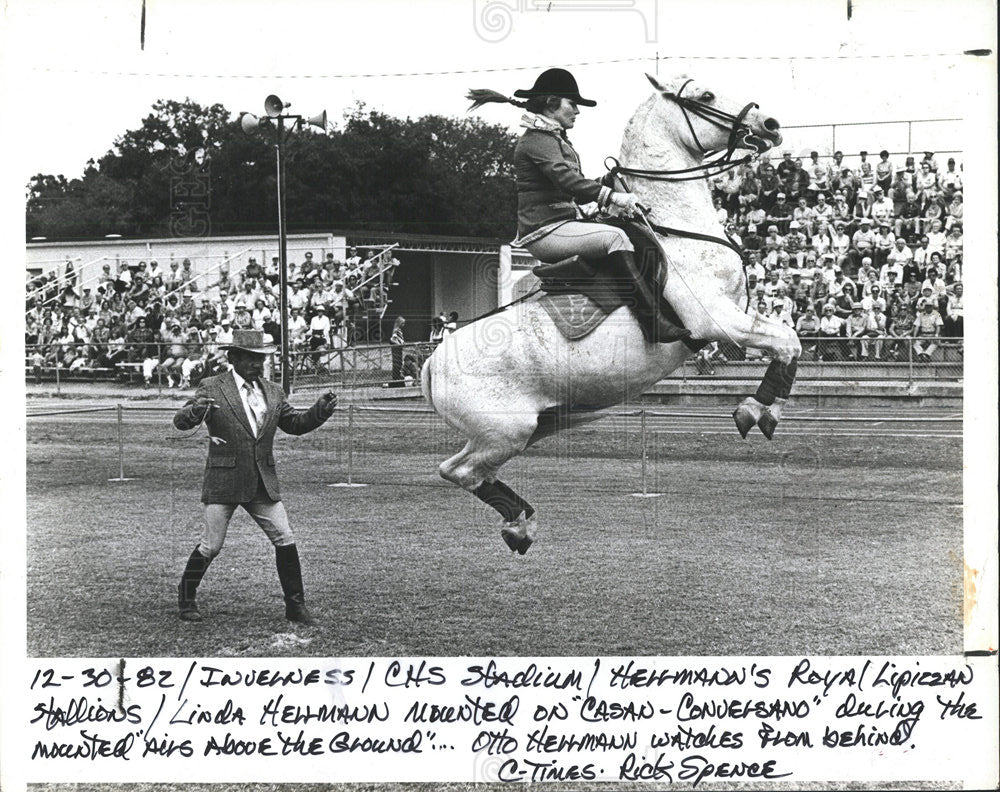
(286, 377)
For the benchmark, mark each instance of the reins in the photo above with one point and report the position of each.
(500, 308)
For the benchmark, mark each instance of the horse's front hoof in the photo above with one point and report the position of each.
(518, 535)
(745, 419)
(767, 423)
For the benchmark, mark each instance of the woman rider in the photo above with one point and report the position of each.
(550, 187)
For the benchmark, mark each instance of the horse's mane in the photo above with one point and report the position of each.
(636, 138)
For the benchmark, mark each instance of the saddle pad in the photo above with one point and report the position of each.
(575, 315)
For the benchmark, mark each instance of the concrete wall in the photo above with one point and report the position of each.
(466, 283)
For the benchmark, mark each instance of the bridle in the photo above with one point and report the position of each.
(738, 135)
(733, 124)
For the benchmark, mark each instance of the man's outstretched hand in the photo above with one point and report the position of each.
(327, 403)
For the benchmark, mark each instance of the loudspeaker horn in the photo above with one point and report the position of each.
(273, 106)
(319, 120)
(249, 122)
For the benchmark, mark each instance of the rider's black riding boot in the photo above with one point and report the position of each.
(645, 300)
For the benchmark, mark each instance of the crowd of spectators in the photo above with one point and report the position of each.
(858, 257)
(863, 259)
(175, 321)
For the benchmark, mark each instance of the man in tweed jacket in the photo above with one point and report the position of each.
(242, 411)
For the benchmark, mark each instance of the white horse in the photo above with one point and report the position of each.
(511, 378)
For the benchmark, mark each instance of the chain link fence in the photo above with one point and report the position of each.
(163, 366)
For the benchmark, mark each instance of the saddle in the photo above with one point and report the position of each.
(580, 294)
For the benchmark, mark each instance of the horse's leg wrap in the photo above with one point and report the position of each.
(516, 533)
(777, 382)
(504, 500)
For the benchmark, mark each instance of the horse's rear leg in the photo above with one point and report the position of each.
(764, 408)
(474, 469)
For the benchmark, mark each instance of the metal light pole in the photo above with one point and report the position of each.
(273, 107)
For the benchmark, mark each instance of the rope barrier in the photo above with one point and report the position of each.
(68, 412)
(497, 69)
(427, 410)
(642, 413)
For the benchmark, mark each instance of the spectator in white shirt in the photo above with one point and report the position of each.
(261, 314)
(900, 255)
(954, 321)
(927, 187)
(882, 206)
(297, 327)
(936, 237)
(885, 241)
(829, 330)
(953, 243)
(781, 311)
(773, 283)
(936, 284)
(955, 212)
(950, 181)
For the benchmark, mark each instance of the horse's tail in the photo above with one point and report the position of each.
(425, 381)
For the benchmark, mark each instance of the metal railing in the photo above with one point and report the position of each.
(890, 134)
(883, 359)
(361, 366)
(60, 282)
(225, 260)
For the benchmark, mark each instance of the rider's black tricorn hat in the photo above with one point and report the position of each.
(555, 82)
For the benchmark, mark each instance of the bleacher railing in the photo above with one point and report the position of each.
(888, 359)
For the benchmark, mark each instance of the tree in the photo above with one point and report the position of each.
(433, 175)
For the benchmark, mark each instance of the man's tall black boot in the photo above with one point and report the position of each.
(193, 573)
(646, 302)
(290, 574)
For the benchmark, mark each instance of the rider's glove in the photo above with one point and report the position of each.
(626, 201)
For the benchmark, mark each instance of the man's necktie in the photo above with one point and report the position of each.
(256, 406)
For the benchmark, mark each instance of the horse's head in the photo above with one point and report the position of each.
(712, 122)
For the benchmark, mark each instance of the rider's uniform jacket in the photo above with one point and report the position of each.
(549, 183)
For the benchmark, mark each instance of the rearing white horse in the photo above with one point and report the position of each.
(509, 379)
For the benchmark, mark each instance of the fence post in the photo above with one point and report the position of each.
(909, 368)
(350, 453)
(58, 384)
(159, 370)
(642, 439)
(121, 449)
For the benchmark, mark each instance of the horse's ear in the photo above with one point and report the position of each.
(668, 87)
(656, 83)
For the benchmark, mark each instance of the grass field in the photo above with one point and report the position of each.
(837, 543)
